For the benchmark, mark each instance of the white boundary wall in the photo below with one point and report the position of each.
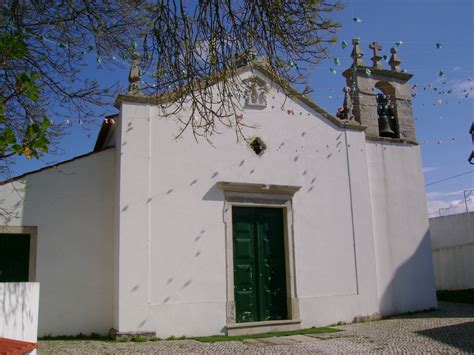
(19, 310)
(453, 251)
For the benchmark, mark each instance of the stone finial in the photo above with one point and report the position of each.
(394, 60)
(345, 113)
(134, 76)
(357, 53)
(376, 59)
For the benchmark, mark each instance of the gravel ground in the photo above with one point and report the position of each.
(448, 330)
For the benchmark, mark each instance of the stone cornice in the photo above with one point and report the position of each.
(241, 187)
(391, 140)
(382, 72)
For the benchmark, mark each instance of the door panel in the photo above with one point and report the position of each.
(272, 264)
(245, 278)
(259, 264)
(14, 257)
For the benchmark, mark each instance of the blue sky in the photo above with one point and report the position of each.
(442, 120)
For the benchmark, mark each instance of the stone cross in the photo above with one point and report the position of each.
(394, 60)
(376, 48)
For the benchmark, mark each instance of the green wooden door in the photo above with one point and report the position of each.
(14, 257)
(259, 264)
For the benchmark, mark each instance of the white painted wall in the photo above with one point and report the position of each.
(401, 237)
(172, 237)
(72, 207)
(452, 239)
(19, 310)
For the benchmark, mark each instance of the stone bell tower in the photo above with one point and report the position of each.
(381, 98)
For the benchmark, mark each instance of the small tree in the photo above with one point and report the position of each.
(186, 47)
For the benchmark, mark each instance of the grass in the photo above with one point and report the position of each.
(205, 339)
(217, 338)
(80, 336)
(459, 296)
(139, 339)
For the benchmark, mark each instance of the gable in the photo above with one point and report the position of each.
(257, 71)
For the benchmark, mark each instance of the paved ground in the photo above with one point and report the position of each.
(448, 330)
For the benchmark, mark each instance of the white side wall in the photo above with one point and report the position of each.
(72, 207)
(452, 239)
(172, 262)
(401, 237)
(19, 310)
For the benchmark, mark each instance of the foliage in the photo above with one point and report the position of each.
(193, 47)
(44, 46)
(186, 47)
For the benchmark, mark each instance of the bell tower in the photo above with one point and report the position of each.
(381, 98)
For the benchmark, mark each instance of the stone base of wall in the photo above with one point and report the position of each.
(116, 335)
(367, 318)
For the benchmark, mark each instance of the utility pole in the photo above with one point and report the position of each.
(471, 157)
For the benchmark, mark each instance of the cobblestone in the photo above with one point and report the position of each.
(447, 330)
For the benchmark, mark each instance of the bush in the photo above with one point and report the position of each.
(139, 339)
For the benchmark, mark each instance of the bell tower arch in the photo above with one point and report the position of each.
(381, 97)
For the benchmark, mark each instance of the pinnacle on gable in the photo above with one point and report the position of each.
(394, 60)
(357, 53)
(345, 112)
(134, 76)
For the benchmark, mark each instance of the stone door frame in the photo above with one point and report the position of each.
(267, 196)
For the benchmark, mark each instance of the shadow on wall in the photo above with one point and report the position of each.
(19, 310)
(412, 287)
(460, 336)
(15, 306)
(214, 194)
(445, 310)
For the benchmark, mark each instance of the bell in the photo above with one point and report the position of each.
(384, 127)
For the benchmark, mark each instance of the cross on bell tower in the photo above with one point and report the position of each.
(372, 86)
(376, 48)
